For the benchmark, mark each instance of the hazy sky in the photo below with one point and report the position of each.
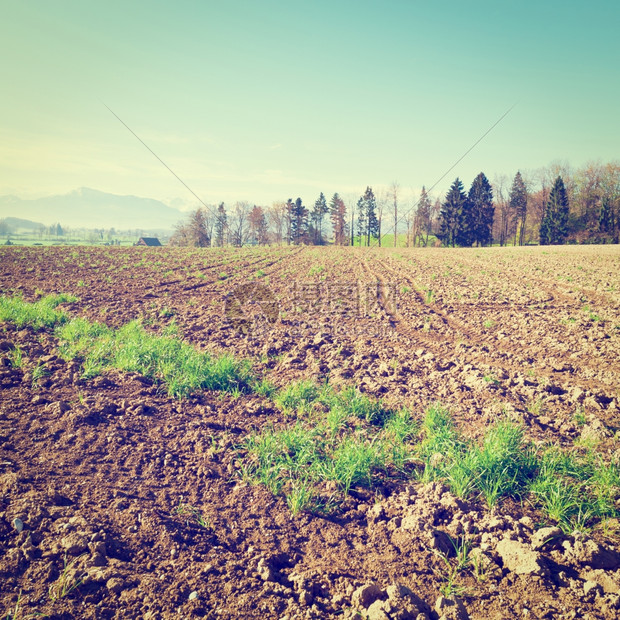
(264, 101)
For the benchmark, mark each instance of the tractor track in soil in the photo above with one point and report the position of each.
(459, 330)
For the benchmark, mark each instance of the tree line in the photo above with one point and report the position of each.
(551, 205)
(289, 222)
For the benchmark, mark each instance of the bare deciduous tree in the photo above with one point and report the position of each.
(276, 220)
(503, 224)
(258, 226)
(394, 191)
(195, 232)
(239, 226)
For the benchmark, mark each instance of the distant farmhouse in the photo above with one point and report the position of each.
(150, 241)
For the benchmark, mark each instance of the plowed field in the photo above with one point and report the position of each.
(132, 504)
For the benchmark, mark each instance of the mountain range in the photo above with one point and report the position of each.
(90, 208)
(14, 224)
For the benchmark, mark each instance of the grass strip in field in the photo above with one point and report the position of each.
(572, 489)
(348, 439)
(502, 466)
(40, 314)
(338, 440)
(164, 358)
(344, 438)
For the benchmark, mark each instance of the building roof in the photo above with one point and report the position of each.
(152, 241)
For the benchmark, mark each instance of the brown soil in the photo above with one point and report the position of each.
(102, 474)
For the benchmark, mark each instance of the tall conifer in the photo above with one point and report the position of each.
(518, 206)
(452, 213)
(554, 225)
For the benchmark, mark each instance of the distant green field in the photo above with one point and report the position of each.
(29, 241)
(387, 241)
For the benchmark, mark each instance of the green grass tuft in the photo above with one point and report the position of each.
(501, 466)
(298, 396)
(571, 489)
(40, 314)
(575, 491)
(353, 462)
(16, 357)
(163, 358)
(338, 437)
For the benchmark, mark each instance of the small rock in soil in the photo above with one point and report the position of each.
(451, 609)
(591, 587)
(115, 584)
(58, 407)
(545, 535)
(98, 560)
(610, 582)
(305, 598)
(401, 604)
(442, 542)
(366, 595)
(74, 544)
(520, 559)
(590, 553)
(265, 570)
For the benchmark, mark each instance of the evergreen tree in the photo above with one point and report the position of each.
(299, 223)
(318, 213)
(465, 225)
(199, 229)
(608, 220)
(370, 208)
(361, 220)
(452, 213)
(478, 222)
(424, 214)
(221, 224)
(544, 231)
(554, 225)
(338, 214)
(518, 206)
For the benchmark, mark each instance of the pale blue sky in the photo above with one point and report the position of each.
(262, 101)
